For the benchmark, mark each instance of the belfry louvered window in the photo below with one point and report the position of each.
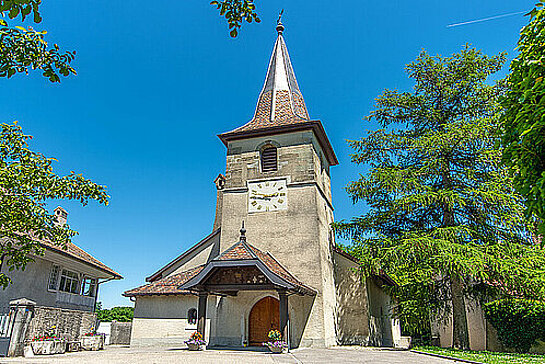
(269, 156)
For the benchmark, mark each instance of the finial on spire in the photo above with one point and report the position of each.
(243, 232)
(279, 26)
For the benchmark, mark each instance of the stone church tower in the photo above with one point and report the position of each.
(282, 269)
(294, 226)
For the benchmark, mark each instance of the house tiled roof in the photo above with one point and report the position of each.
(74, 251)
(166, 286)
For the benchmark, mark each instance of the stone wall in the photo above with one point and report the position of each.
(352, 303)
(482, 336)
(69, 324)
(298, 237)
(120, 333)
(381, 315)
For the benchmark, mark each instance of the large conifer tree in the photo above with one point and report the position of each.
(441, 209)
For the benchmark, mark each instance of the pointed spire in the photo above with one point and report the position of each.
(280, 99)
(280, 106)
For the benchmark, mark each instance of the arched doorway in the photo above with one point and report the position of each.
(264, 317)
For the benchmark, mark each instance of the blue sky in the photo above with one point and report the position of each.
(158, 80)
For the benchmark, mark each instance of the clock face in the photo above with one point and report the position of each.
(266, 196)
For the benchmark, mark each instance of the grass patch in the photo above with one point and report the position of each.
(488, 357)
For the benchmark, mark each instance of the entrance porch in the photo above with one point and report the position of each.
(251, 286)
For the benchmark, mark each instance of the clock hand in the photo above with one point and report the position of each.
(260, 198)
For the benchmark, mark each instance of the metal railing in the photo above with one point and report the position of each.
(7, 319)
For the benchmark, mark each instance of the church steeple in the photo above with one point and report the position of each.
(280, 106)
(280, 102)
(280, 99)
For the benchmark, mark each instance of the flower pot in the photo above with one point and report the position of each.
(48, 347)
(93, 343)
(195, 347)
(275, 349)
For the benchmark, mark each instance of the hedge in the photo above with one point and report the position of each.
(120, 314)
(519, 322)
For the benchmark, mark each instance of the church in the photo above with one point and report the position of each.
(270, 261)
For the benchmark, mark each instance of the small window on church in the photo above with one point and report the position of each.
(192, 316)
(269, 156)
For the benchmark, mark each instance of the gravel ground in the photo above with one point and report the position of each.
(124, 354)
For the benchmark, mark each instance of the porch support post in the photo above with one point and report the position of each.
(201, 323)
(283, 295)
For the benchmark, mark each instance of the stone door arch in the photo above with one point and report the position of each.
(264, 316)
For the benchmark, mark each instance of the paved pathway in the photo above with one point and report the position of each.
(125, 355)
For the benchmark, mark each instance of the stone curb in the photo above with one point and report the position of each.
(447, 357)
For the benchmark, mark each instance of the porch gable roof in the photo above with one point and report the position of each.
(242, 254)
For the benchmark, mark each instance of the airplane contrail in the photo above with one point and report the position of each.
(485, 19)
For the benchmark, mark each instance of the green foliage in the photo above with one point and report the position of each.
(489, 357)
(519, 322)
(23, 49)
(27, 183)
(442, 214)
(524, 103)
(120, 314)
(236, 12)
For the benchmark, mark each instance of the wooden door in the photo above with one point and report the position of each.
(265, 316)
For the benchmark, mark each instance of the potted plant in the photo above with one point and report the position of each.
(48, 343)
(92, 341)
(275, 343)
(196, 342)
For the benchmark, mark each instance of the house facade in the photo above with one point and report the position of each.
(61, 278)
(271, 261)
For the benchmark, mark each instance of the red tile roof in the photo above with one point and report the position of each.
(159, 274)
(244, 251)
(239, 251)
(166, 286)
(74, 251)
(280, 106)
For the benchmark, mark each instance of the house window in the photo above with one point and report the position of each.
(192, 316)
(53, 278)
(88, 287)
(269, 158)
(69, 282)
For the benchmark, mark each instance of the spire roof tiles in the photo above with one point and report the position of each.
(280, 106)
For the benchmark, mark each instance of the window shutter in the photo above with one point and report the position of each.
(269, 157)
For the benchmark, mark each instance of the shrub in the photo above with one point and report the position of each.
(120, 314)
(519, 322)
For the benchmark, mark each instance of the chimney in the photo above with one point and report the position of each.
(61, 216)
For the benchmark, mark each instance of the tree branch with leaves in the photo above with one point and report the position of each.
(524, 125)
(236, 12)
(27, 183)
(24, 49)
